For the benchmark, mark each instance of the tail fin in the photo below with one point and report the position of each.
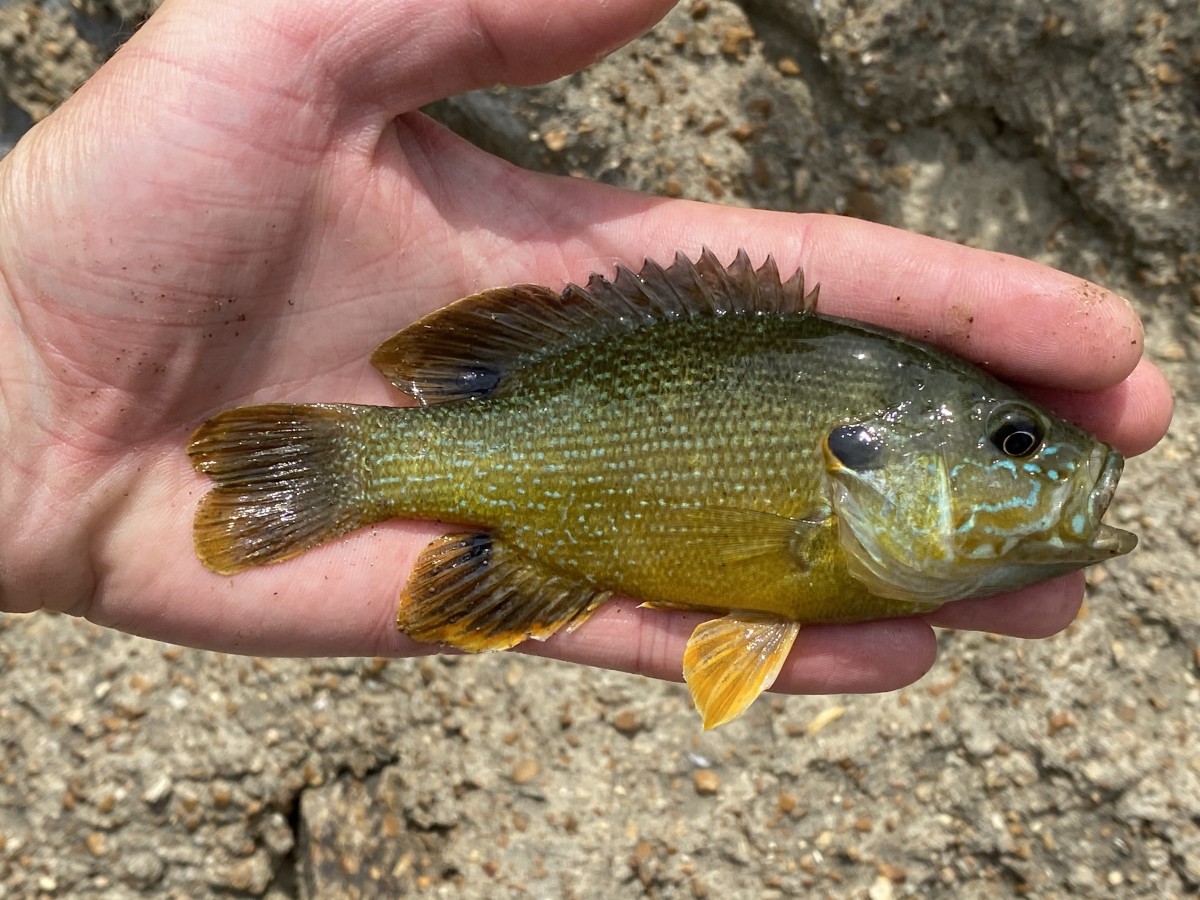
(285, 482)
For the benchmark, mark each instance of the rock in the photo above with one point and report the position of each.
(706, 782)
(627, 722)
(525, 770)
(141, 869)
(1122, 143)
(250, 876)
(352, 843)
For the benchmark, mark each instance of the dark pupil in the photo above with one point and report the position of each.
(1018, 436)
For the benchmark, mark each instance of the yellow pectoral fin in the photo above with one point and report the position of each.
(730, 661)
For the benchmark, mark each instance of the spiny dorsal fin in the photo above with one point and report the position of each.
(471, 347)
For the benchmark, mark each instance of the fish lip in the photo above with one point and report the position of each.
(1107, 539)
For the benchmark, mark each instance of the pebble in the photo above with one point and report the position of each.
(96, 843)
(1173, 351)
(706, 782)
(251, 875)
(881, 889)
(222, 796)
(555, 140)
(1167, 74)
(979, 740)
(801, 182)
(735, 41)
(142, 868)
(627, 722)
(525, 770)
(1059, 721)
(1118, 652)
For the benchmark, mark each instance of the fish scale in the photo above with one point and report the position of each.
(697, 437)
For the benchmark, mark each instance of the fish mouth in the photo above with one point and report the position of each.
(1108, 540)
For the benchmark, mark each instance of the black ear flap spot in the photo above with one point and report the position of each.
(477, 381)
(856, 447)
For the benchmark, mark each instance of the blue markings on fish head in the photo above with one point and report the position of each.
(967, 496)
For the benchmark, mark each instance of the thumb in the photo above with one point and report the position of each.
(397, 55)
(405, 54)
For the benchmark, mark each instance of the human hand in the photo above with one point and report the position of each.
(243, 202)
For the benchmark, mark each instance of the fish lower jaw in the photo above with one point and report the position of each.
(1111, 541)
(929, 584)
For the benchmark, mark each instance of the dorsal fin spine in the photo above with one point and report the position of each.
(475, 347)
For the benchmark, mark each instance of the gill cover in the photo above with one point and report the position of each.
(900, 549)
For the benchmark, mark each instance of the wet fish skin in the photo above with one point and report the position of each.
(695, 437)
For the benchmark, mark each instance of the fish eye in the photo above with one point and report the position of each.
(1016, 431)
(856, 447)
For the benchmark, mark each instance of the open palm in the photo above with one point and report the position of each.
(241, 205)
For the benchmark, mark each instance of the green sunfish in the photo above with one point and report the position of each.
(696, 437)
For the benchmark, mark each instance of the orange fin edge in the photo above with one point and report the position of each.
(475, 592)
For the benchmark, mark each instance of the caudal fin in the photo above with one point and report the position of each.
(285, 482)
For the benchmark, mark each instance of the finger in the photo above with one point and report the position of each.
(491, 41)
(1132, 415)
(1012, 316)
(874, 656)
(1037, 611)
(1017, 319)
(282, 77)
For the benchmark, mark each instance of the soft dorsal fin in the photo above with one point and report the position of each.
(469, 348)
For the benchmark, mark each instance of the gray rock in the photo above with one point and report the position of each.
(1103, 94)
(141, 869)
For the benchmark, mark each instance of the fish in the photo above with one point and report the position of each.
(695, 436)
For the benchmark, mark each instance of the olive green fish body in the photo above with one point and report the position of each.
(695, 437)
(641, 464)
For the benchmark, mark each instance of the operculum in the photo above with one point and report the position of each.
(895, 522)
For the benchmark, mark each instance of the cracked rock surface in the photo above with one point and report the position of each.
(1063, 131)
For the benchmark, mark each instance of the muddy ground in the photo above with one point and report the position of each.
(1065, 131)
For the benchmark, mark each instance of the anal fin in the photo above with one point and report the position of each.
(731, 660)
(475, 592)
